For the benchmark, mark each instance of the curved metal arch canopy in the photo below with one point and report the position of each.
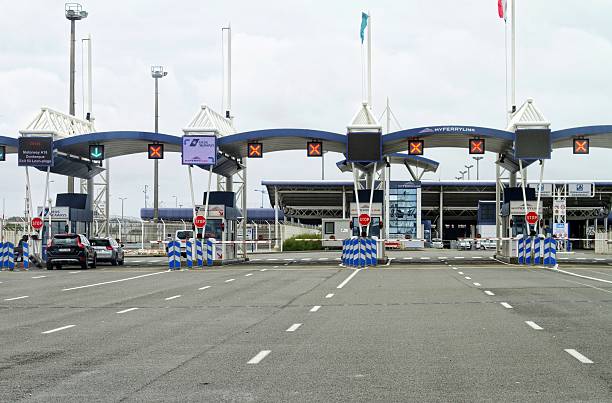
(599, 136)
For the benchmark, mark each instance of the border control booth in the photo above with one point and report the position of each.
(222, 224)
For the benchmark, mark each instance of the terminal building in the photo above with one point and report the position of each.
(426, 210)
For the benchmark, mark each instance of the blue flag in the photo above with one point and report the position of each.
(364, 24)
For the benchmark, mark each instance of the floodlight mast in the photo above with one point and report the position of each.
(74, 12)
(157, 72)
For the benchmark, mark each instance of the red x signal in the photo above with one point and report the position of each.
(416, 147)
(581, 146)
(314, 149)
(156, 151)
(255, 150)
(477, 146)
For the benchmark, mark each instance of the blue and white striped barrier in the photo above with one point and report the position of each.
(9, 256)
(354, 252)
(528, 242)
(343, 255)
(210, 251)
(189, 252)
(199, 254)
(359, 252)
(25, 254)
(1, 255)
(550, 251)
(174, 255)
(521, 249)
(537, 250)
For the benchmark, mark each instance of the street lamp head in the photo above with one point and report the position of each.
(74, 12)
(158, 72)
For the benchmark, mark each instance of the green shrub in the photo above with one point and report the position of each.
(293, 243)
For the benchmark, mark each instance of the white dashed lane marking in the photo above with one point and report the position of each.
(329, 295)
(315, 308)
(506, 305)
(294, 327)
(15, 298)
(248, 274)
(173, 297)
(578, 356)
(533, 325)
(260, 356)
(477, 284)
(353, 274)
(128, 310)
(204, 288)
(39, 276)
(489, 292)
(230, 280)
(58, 329)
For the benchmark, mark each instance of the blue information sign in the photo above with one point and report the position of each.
(199, 150)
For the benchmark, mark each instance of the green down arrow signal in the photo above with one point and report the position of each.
(96, 152)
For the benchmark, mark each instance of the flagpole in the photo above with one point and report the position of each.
(369, 60)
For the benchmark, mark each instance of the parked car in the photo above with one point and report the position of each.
(486, 244)
(70, 249)
(437, 243)
(108, 250)
(182, 236)
(464, 244)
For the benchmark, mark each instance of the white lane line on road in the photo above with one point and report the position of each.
(75, 272)
(454, 268)
(204, 288)
(329, 295)
(263, 269)
(323, 258)
(293, 327)
(578, 356)
(58, 329)
(15, 298)
(588, 285)
(459, 257)
(260, 356)
(128, 310)
(353, 274)
(580, 275)
(506, 305)
(230, 280)
(477, 284)
(489, 292)
(460, 272)
(173, 297)
(39, 276)
(468, 278)
(315, 308)
(533, 325)
(424, 258)
(248, 274)
(113, 281)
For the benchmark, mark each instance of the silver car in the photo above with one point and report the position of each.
(108, 250)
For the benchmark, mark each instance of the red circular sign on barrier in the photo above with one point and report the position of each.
(199, 221)
(37, 223)
(364, 219)
(531, 217)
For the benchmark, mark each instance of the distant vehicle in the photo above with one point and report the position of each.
(108, 250)
(182, 236)
(437, 243)
(70, 249)
(486, 244)
(464, 244)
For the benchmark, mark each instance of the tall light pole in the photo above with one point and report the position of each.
(262, 191)
(463, 174)
(175, 201)
(468, 167)
(477, 166)
(157, 72)
(122, 200)
(146, 194)
(74, 13)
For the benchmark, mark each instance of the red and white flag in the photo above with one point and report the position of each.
(501, 8)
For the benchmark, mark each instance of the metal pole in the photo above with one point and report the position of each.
(513, 50)
(276, 226)
(441, 220)
(71, 102)
(369, 59)
(322, 166)
(497, 209)
(156, 162)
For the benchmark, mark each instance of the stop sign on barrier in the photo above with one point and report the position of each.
(531, 217)
(199, 221)
(37, 223)
(364, 219)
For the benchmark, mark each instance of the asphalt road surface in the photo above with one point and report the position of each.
(443, 332)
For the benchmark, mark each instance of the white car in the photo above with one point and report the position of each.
(464, 244)
(437, 243)
(486, 244)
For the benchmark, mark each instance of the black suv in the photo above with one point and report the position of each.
(66, 249)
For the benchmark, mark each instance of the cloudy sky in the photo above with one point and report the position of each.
(298, 64)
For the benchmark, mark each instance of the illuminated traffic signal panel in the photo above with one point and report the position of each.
(96, 152)
(477, 146)
(581, 146)
(416, 147)
(314, 149)
(156, 151)
(255, 150)
(2, 153)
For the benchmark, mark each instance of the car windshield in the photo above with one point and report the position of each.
(100, 242)
(184, 234)
(65, 240)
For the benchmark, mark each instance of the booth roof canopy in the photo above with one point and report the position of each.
(10, 144)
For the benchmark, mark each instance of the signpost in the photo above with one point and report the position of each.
(199, 221)
(199, 150)
(37, 223)
(364, 220)
(531, 217)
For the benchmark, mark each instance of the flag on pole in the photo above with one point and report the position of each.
(501, 8)
(364, 24)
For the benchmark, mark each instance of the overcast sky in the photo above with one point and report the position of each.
(298, 64)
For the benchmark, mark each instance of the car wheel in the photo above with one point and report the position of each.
(121, 262)
(95, 261)
(49, 266)
(85, 264)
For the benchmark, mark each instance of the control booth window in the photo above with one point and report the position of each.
(403, 210)
(329, 228)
